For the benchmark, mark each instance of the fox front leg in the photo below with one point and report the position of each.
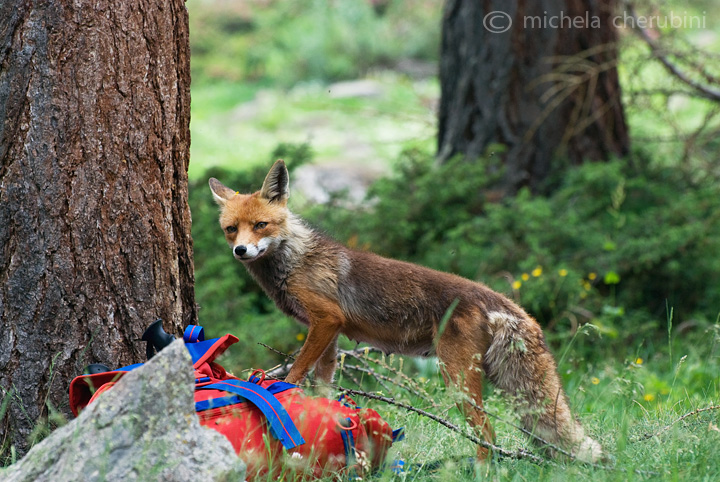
(320, 344)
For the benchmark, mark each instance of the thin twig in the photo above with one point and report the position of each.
(282, 368)
(275, 350)
(704, 90)
(501, 452)
(519, 454)
(381, 362)
(379, 377)
(668, 427)
(392, 401)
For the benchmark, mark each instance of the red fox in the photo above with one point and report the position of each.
(397, 307)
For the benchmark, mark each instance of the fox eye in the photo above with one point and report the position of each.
(260, 225)
(231, 229)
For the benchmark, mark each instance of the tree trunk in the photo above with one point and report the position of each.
(547, 87)
(94, 218)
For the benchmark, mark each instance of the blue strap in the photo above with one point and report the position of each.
(398, 435)
(281, 425)
(398, 467)
(349, 444)
(199, 348)
(128, 368)
(194, 333)
(276, 387)
(211, 403)
(203, 405)
(350, 404)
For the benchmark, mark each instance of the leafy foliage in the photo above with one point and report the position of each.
(613, 244)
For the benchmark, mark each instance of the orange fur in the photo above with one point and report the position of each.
(398, 307)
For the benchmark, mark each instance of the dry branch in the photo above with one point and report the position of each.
(668, 427)
(518, 454)
(704, 90)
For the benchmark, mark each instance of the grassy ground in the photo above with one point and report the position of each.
(654, 412)
(236, 126)
(266, 73)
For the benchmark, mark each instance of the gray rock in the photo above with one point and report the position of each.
(317, 183)
(143, 429)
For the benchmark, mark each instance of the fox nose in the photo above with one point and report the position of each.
(240, 250)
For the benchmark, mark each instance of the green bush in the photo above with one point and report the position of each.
(615, 243)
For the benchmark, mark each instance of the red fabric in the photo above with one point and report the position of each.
(319, 420)
(84, 388)
(100, 390)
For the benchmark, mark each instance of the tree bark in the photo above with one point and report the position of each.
(544, 92)
(94, 218)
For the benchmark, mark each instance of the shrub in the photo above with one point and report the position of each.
(615, 243)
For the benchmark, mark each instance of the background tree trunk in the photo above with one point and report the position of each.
(94, 218)
(496, 86)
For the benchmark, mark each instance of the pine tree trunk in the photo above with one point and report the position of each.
(94, 218)
(496, 86)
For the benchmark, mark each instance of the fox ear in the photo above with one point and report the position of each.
(277, 183)
(221, 193)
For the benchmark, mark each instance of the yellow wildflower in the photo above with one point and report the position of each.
(525, 276)
(649, 397)
(595, 380)
(537, 271)
(300, 336)
(592, 276)
(516, 285)
(639, 361)
(562, 272)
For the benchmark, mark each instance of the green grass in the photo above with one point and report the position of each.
(643, 407)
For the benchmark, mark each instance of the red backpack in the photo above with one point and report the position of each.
(271, 424)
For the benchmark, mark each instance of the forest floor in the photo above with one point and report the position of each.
(356, 129)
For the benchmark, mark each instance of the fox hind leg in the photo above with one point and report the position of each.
(462, 367)
(518, 362)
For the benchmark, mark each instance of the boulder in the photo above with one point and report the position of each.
(143, 429)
